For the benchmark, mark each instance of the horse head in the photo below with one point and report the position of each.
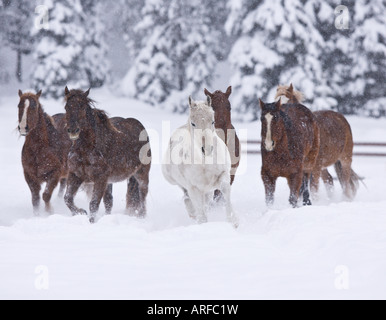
(29, 108)
(221, 107)
(77, 111)
(273, 124)
(202, 123)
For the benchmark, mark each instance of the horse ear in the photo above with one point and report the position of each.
(229, 91)
(66, 91)
(192, 104)
(20, 93)
(209, 101)
(278, 104)
(291, 88)
(39, 94)
(86, 94)
(208, 94)
(262, 104)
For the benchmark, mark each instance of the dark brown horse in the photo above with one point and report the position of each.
(45, 151)
(105, 151)
(336, 148)
(225, 129)
(290, 146)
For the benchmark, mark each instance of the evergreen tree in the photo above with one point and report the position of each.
(181, 51)
(16, 22)
(71, 52)
(277, 44)
(128, 15)
(364, 91)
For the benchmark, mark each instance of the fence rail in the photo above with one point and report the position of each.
(254, 148)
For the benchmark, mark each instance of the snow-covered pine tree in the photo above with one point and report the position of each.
(126, 18)
(181, 51)
(71, 52)
(364, 89)
(16, 21)
(277, 44)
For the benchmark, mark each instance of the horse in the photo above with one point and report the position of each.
(290, 146)
(199, 162)
(225, 130)
(45, 151)
(336, 148)
(105, 151)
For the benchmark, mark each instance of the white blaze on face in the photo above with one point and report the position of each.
(268, 139)
(23, 122)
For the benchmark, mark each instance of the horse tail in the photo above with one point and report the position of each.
(350, 184)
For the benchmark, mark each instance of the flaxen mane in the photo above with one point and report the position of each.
(289, 93)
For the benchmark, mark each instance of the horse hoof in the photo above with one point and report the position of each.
(92, 220)
(82, 212)
(235, 222)
(202, 220)
(307, 203)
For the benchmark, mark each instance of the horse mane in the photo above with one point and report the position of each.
(290, 93)
(94, 115)
(100, 117)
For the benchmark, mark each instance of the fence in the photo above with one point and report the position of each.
(361, 149)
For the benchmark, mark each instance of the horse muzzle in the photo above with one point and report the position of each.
(73, 134)
(23, 131)
(269, 145)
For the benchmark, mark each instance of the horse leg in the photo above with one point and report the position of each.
(295, 183)
(218, 196)
(199, 203)
(188, 204)
(132, 196)
(328, 182)
(315, 181)
(73, 185)
(108, 199)
(344, 172)
(35, 192)
(100, 188)
(137, 191)
(232, 218)
(270, 187)
(305, 190)
(52, 182)
(142, 177)
(63, 183)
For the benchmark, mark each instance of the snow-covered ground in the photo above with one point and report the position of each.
(332, 250)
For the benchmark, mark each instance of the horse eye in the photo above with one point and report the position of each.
(193, 124)
(213, 123)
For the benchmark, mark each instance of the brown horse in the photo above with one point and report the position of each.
(45, 151)
(225, 129)
(105, 151)
(290, 146)
(336, 148)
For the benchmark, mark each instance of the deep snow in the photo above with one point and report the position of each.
(280, 253)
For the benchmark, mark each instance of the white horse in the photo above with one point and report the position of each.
(198, 161)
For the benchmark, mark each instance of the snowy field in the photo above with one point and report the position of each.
(333, 250)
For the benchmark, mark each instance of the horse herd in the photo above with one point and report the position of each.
(84, 148)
